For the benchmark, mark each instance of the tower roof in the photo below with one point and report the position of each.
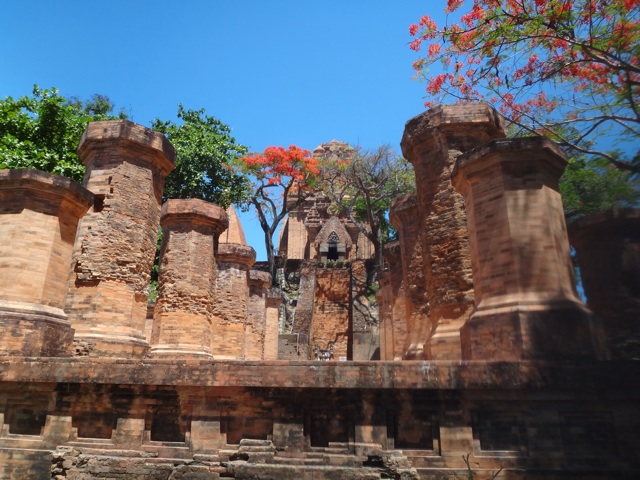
(235, 233)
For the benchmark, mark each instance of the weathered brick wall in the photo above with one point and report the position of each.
(431, 142)
(411, 264)
(393, 306)
(536, 420)
(364, 312)
(331, 313)
(608, 251)
(272, 316)
(116, 242)
(526, 303)
(39, 215)
(184, 308)
(304, 310)
(230, 309)
(256, 323)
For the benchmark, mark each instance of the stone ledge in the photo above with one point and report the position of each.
(47, 185)
(111, 133)
(443, 375)
(195, 211)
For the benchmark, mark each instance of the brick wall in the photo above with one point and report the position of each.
(331, 313)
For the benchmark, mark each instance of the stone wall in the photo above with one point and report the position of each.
(331, 314)
(107, 292)
(431, 142)
(608, 251)
(535, 420)
(39, 215)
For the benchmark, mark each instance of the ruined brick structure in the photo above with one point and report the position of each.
(87, 392)
(327, 254)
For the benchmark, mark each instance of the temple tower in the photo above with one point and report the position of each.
(39, 215)
(231, 308)
(526, 302)
(608, 250)
(115, 246)
(184, 309)
(431, 142)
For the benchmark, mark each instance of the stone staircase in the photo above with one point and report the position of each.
(260, 460)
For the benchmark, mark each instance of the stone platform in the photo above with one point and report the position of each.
(415, 419)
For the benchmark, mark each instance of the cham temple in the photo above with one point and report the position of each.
(470, 356)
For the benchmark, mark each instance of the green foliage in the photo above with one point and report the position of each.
(589, 187)
(363, 185)
(206, 154)
(42, 132)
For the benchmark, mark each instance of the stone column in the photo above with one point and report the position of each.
(331, 324)
(431, 142)
(274, 300)
(254, 331)
(230, 308)
(391, 298)
(107, 291)
(184, 309)
(403, 214)
(526, 303)
(608, 250)
(39, 215)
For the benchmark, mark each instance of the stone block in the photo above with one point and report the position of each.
(107, 291)
(184, 308)
(39, 215)
(608, 252)
(523, 276)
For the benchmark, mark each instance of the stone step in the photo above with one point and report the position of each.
(345, 460)
(301, 454)
(297, 461)
(336, 450)
(258, 457)
(257, 448)
(300, 472)
(253, 442)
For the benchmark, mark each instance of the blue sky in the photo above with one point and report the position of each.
(278, 73)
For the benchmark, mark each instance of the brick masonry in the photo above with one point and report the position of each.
(431, 142)
(106, 298)
(393, 306)
(39, 215)
(608, 251)
(526, 301)
(419, 328)
(331, 314)
(187, 281)
(230, 309)
(547, 417)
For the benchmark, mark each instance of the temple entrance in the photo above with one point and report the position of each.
(332, 251)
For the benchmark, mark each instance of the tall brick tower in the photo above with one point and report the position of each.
(106, 297)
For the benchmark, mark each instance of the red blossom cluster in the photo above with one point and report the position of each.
(279, 166)
(528, 55)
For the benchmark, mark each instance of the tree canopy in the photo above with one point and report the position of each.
(206, 154)
(283, 178)
(362, 184)
(589, 187)
(42, 131)
(568, 69)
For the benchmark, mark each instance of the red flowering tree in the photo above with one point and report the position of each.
(282, 179)
(568, 69)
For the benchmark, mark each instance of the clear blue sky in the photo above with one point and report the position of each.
(277, 72)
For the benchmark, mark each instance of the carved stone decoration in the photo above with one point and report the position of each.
(333, 242)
